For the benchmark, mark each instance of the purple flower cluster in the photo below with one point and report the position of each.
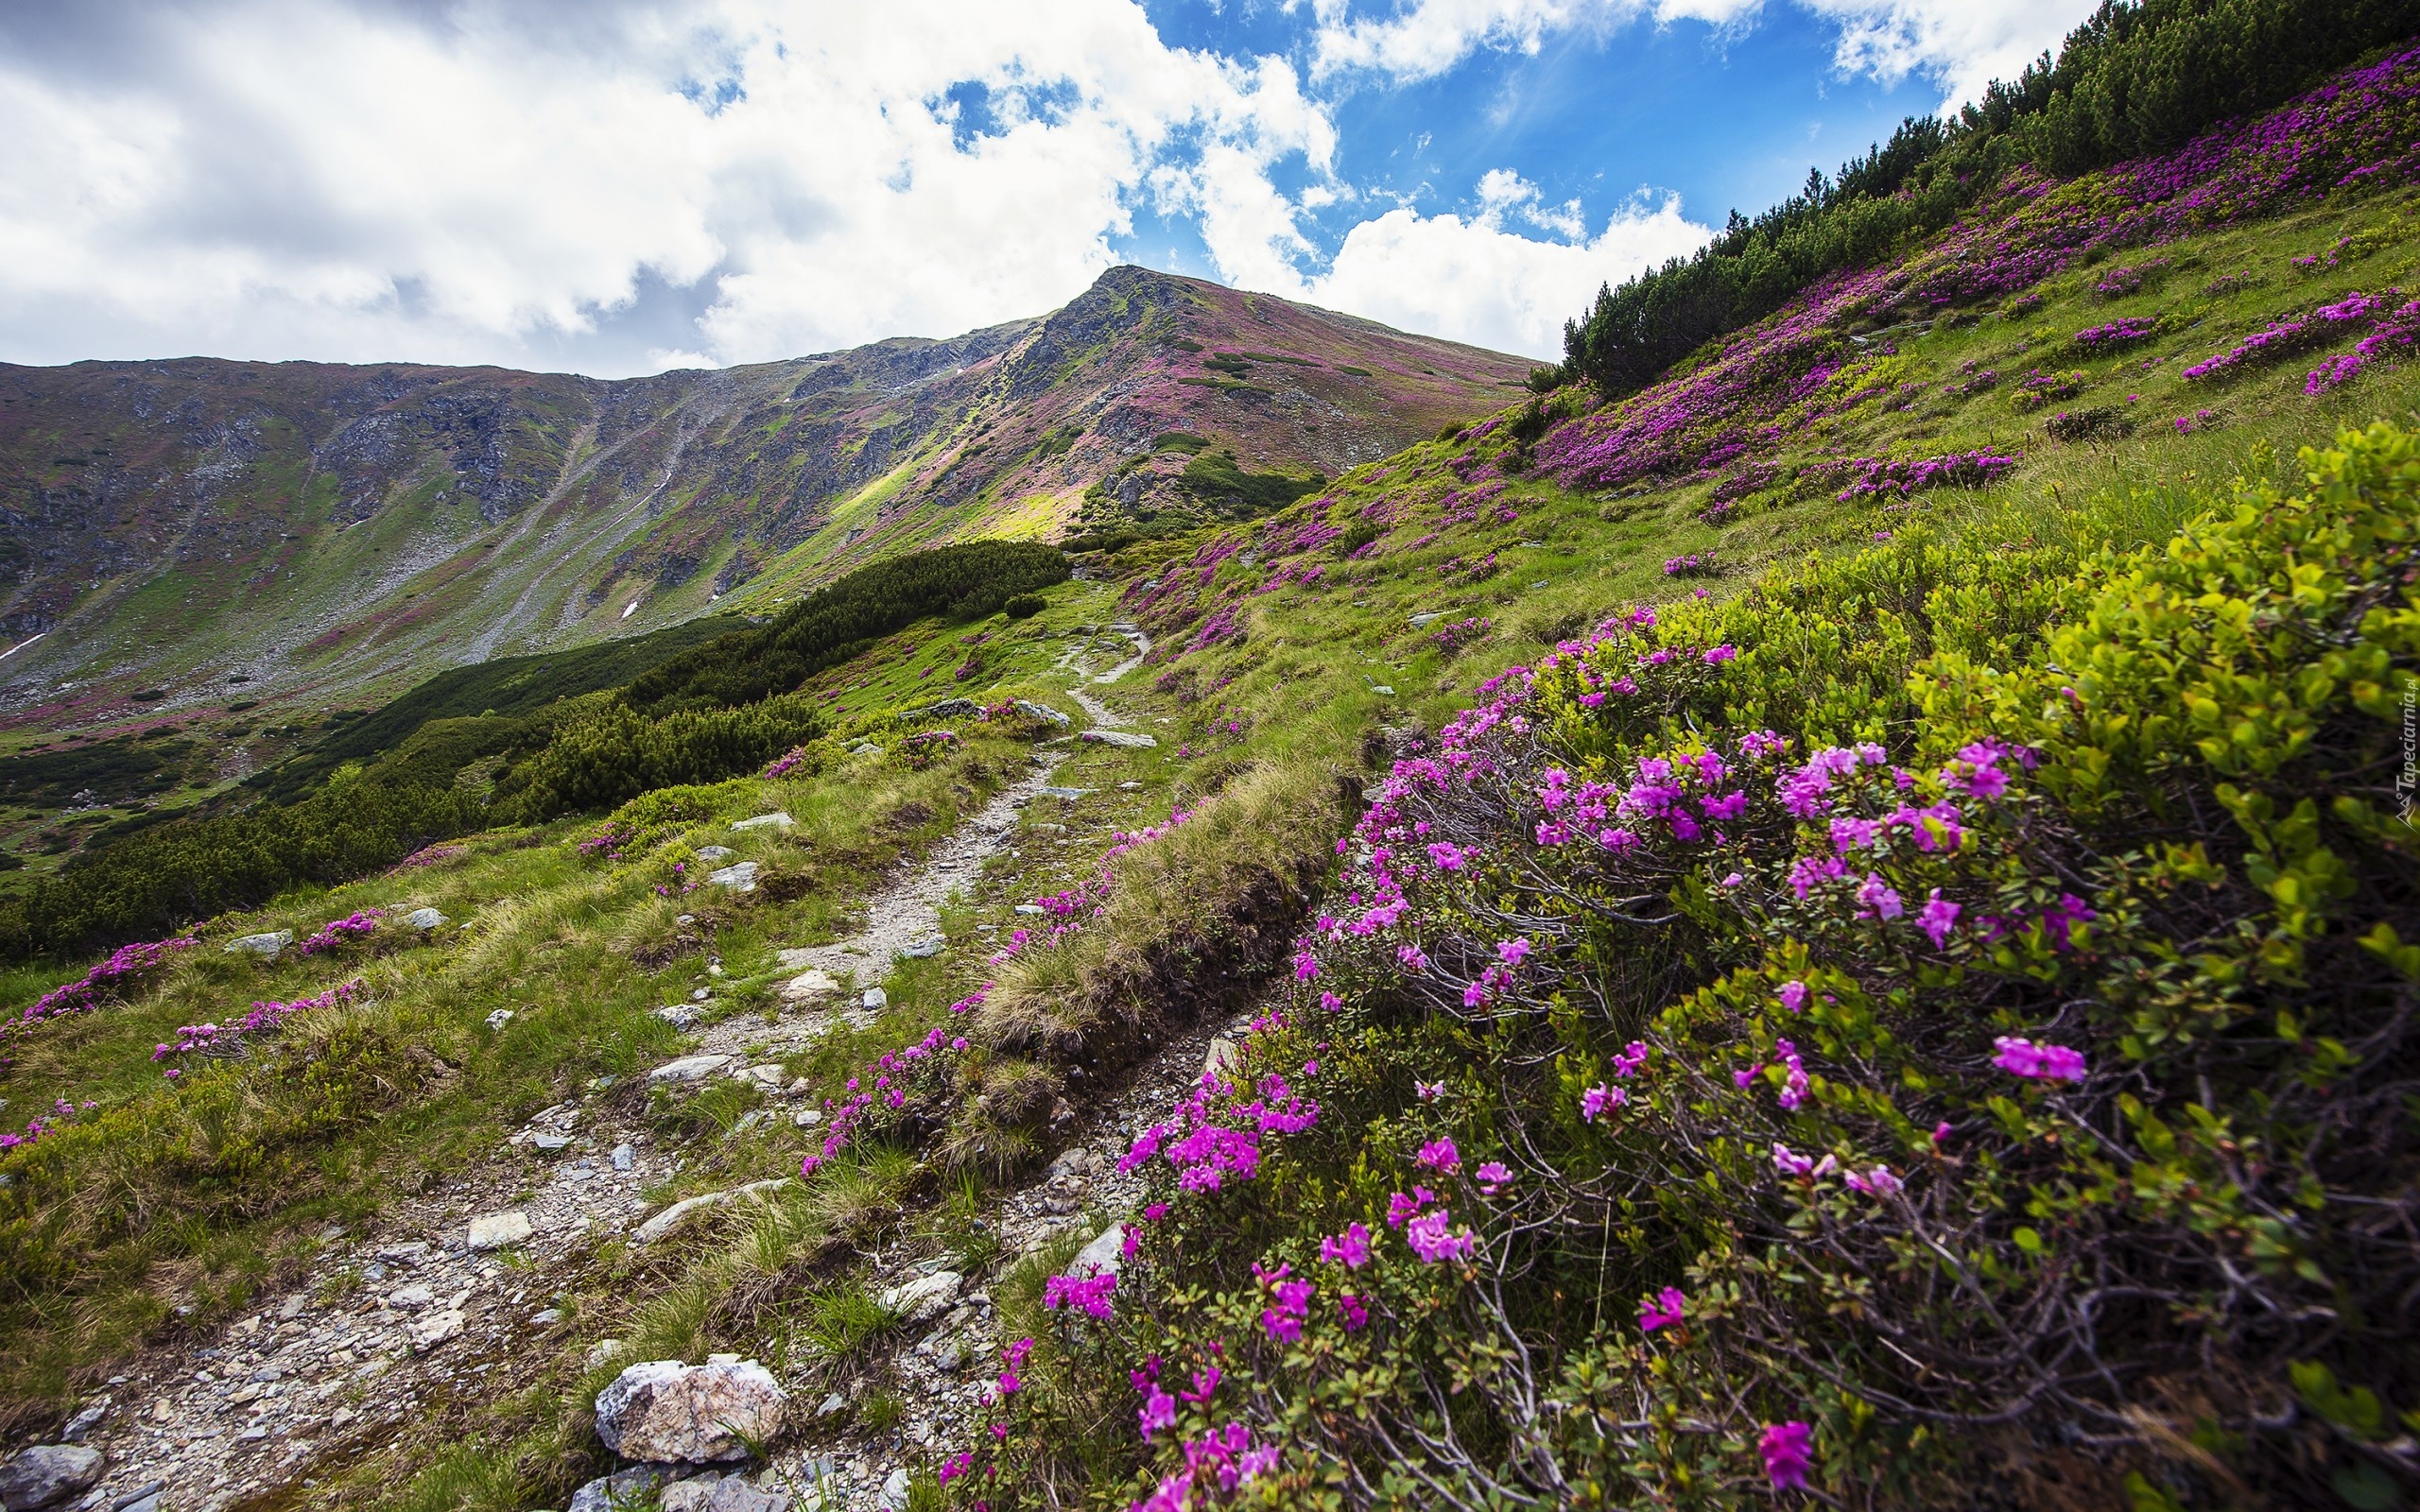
(355, 925)
(1695, 564)
(1452, 638)
(1213, 1136)
(96, 986)
(217, 1040)
(1872, 476)
(2394, 324)
(2117, 334)
(787, 762)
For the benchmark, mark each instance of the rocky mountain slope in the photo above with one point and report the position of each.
(201, 532)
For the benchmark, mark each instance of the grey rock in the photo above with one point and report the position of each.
(84, 1422)
(1221, 1058)
(733, 1494)
(148, 1490)
(875, 998)
(410, 1298)
(501, 1017)
(954, 709)
(662, 1410)
(546, 1318)
(715, 852)
(549, 1143)
(670, 1218)
(623, 1488)
(430, 1329)
(895, 1491)
(1042, 712)
(1104, 1256)
(499, 1230)
(688, 1496)
(811, 984)
(775, 820)
(1121, 737)
(1430, 618)
(740, 878)
(923, 1298)
(831, 1404)
(679, 1015)
(625, 1157)
(688, 1068)
(1068, 793)
(865, 747)
(47, 1474)
(265, 946)
(424, 919)
(1030, 908)
(926, 947)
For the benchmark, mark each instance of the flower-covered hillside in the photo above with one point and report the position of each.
(1712, 1075)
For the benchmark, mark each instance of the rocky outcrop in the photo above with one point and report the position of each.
(47, 1474)
(665, 1411)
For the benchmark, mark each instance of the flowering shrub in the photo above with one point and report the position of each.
(1972, 1016)
(2037, 389)
(430, 855)
(97, 985)
(2389, 322)
(223, 1040)
(922, 750)
(2115, 333)
(359, 924)
(1872, 476)
(1452, 638)
(1695, 564)
(793, 761)
(612, 843)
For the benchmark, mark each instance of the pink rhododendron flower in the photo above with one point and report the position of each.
(1937, 919)
(1789, 1450)
(1350, 1248)
(1493, 1176)
(1356, 1316)
(2022, 1058)
(1594, 1102)
(1794, 996)
(1666, 1310)
(1513, 951)
(1440, 1155)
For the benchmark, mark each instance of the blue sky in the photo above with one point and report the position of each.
(620, 186)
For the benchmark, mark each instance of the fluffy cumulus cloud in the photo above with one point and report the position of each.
(1507, 276)
(1961, 44)
(618, 185)
(273, 178)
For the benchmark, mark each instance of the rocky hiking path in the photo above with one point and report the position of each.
(446, 1297)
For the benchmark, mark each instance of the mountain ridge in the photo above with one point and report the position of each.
(431, 515)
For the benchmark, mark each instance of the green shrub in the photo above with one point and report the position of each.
(842, 619)
(1025, 605)
(1215, 477)
(618, 753)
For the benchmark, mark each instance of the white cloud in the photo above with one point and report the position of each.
(1473, 279)
(1961, 44)
(1422, 38)
(277, 178)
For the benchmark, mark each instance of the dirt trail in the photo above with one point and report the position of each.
(446, 1296)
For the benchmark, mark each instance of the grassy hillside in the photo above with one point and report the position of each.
(2011, 1115)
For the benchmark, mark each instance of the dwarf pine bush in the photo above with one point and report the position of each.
(1936, 1030)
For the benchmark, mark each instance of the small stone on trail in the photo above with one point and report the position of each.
(875, 998)
(895, 1491)
(499, 1230)
(813, 984)
(688, 1068)
(931, 945)
(923, 1299)
(625, 1156)
(430, 1329)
